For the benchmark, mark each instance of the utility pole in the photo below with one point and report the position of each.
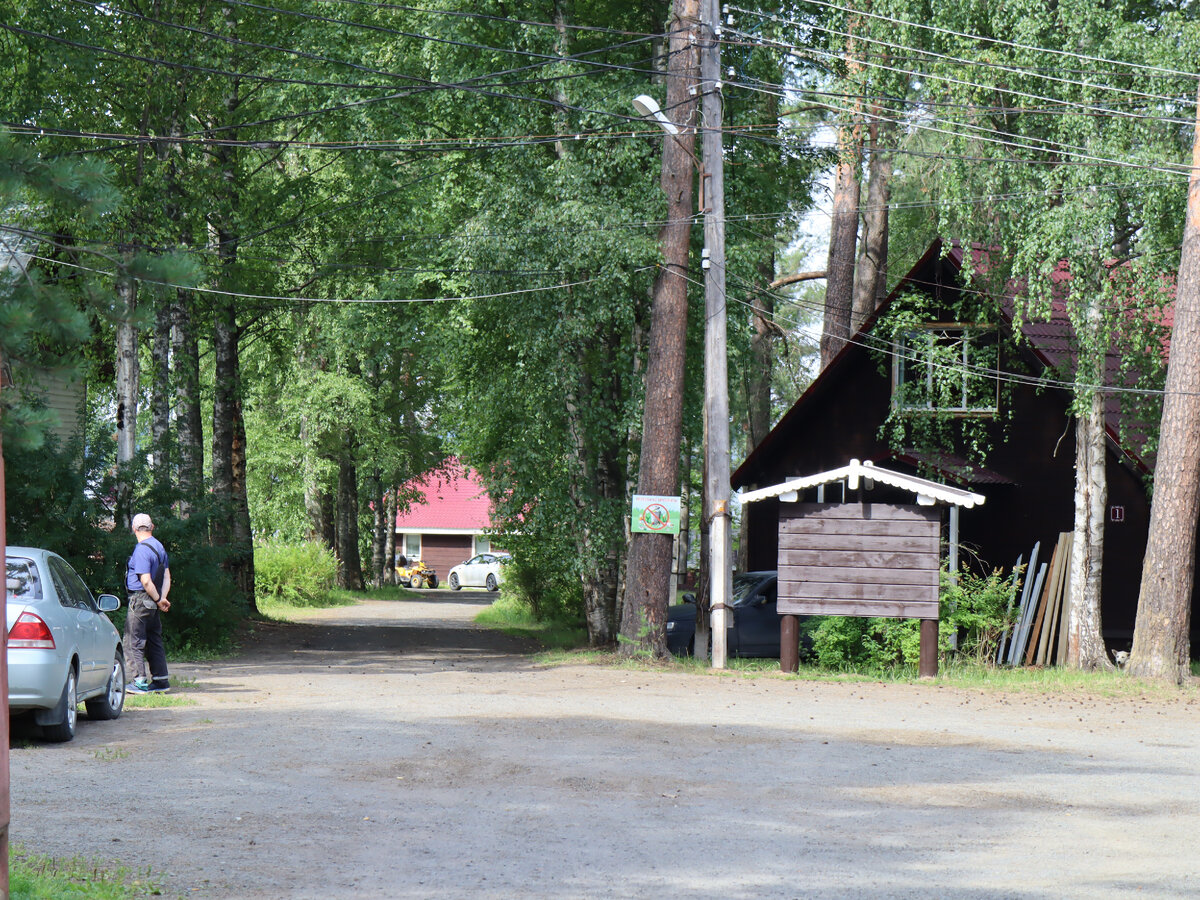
(5, 777)
(716, 374)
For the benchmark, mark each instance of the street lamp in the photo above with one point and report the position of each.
(716, 376)
(647, 107)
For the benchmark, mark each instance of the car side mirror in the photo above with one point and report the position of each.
(108, 603)
(689, 597)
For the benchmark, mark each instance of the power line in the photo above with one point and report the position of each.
(792, 50)
(972, 37)
(342, 301)
(1000, 67)
(469, 15)
(981, 134)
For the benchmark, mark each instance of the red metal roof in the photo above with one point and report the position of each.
(449, 497)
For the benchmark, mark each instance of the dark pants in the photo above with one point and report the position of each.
(143, 639)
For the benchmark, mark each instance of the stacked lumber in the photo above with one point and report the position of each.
(1039, 635)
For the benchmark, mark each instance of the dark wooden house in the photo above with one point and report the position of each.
(1027, 477)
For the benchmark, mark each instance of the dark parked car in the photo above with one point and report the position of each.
(752, 624)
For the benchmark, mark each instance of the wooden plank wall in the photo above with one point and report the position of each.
(859, 559)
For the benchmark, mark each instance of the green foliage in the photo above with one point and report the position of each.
(979, 609)
(57, 499)
(976, 608)
(542, 579)
(845, 642)
(510, 615)
(293, 574)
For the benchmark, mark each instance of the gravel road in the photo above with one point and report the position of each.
(394, 750)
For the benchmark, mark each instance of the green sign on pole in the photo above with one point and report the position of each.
(654, 514)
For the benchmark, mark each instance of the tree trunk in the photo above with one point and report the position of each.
(592, 479)
(870, 277)
(843, 225)
(1085, 643)
(379, 530)
(391, 500)
(1161, 647)
(843, 238)
(160, 398)
(350, 574)
(128, 389)
(189, 430)
(243, 536)
(225, 393)
(643, 622)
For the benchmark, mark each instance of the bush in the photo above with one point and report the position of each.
(541, 581)
(293, 574)
(57, 500)
(977, 609)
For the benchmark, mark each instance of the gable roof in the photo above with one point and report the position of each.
(1051, 343)
(450, 498)
(928, 492)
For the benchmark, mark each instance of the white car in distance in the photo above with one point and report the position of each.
(483, 571)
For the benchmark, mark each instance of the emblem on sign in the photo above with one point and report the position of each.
(654, 514)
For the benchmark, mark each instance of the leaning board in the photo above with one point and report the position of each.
(859, 559)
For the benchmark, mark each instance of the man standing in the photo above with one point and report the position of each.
(148, 581)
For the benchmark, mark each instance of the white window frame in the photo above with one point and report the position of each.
(907, 360)
(408, 538)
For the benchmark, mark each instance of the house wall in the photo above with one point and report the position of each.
(445, 551)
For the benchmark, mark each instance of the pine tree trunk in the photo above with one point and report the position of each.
(225, 393)
(391, 500)
(128, 390)
(350, 574)
(644, 613)
(379, 532)
(843, 225)
(189, 430)
(1161, 643)
(243, 536)
(870, 276)
(160, 398)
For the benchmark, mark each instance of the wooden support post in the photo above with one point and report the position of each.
(789, 644)
(928, 666)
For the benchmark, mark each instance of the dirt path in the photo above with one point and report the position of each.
(393, 750)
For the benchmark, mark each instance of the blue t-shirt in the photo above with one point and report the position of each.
(149, 557)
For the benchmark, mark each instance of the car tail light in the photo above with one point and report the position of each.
(31, 633)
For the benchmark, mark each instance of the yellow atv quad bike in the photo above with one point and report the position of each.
(416, 575)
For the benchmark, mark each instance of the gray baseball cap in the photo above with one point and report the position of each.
(142, 522)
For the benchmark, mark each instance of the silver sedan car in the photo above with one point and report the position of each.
(62, 649)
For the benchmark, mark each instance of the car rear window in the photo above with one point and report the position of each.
(22, 580)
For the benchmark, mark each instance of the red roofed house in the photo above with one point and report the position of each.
(445, 523)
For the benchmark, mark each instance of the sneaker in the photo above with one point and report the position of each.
(140, 686)
(157, 688)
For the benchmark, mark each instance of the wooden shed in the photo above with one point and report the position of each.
(847, 548)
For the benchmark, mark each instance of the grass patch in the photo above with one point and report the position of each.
(36, 877)
(963, 676)
(110, 754)
(282, 611)
(162, 701)
(157, 701)
(512, 617)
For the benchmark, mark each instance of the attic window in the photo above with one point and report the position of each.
(948, 368)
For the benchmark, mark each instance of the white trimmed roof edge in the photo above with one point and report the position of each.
(927, 491)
